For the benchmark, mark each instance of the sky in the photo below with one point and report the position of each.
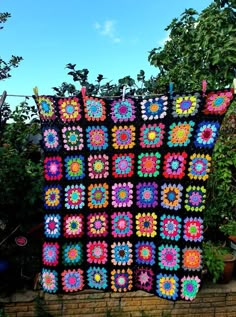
(109, 37)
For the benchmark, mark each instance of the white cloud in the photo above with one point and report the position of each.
(97, 26)
(164, 40)
(107, 28)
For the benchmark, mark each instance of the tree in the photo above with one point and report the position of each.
(6, 66)
(200, 46)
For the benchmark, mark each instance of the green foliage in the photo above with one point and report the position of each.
(214, 259)
(200, 46)
(221, 200)
(20, 168)
(133, 87)
(229, 228)
(13, 62)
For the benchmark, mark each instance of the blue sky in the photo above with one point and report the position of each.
(106, 36)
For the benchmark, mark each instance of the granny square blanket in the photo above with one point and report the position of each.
(125, 191)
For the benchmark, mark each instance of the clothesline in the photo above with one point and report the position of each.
(118, 96)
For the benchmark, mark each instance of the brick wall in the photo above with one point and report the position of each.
(215, 301)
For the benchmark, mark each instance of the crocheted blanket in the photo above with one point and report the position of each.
(125, 191)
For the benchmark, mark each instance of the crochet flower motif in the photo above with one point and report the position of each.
(52, 225)
(50, 253)
(146, 224)
(72, 280)
(94, 109)
(170, 227)
(168, 256)
(97, 277)
(123, 165)
(195, 198)
(180, 133)
(52, 168)
(97, 137)
(185, 105)
(73, 138)
(51, 139)
(199, 166)
(72, 253)
(69, 109)
(123, 137)
(193, 229)
(192, 259)
(121, 253)
(149, 164)
(46, 108)
(145, 252)
(189, 287)
(97, 225)
(121, 280)
(123, 110)
(74, 196)
(97, 196)
(144, 278)
(49, 280)
(74, 167)
(52, 197)
(206, 134)
(167, 286)
(97, 252)
(122, 224)
(174, 165)
(171, 196)
(217, 103)
(154, 108)
(98, 166)
(122, 195)
(146, 195)
(152, 135)
(73, 226)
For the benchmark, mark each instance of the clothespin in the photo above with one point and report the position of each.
(171, 89)
(204, 87)
(234, 86)
(3, 98)
(123, 93)
(83, 92)
(36, 91)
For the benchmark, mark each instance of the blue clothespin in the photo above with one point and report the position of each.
(171, 89)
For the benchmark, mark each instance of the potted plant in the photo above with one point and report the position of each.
(218, 261)
(229, 229)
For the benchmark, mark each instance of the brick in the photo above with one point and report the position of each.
(224, 315)
(136, 314)
(70, 305)
(226, 310)
(25, 314)
(214, 299)
(10, 314)
(231, 302)
(218, 304)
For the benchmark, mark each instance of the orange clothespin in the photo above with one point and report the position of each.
(204, 87)
(83, 92)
